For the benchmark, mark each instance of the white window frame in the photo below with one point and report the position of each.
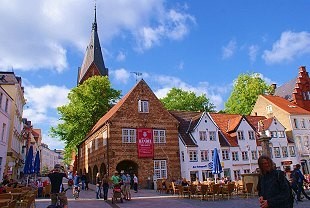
(225, 154)
(281, 134)
(274, 134)
(237, 175)
(303, 124)
(277, 153)
(96, 143)
(182, 156)
(212, 135)
(159, 136)
(129, 135)
(160, 168)
(284, 152)
(193, 157)
(269, 108)
(254, 154)
(295, 123)
(204, 155)
(203, 135)
(235, 156)
(292, 151)
(3, 132)
(245, 155)
(251, 135)
(240, 135)
(143, 106)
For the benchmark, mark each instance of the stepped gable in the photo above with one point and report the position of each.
(187, 121)
(285, 105)
(297, 90)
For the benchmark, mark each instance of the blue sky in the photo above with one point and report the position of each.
(198, 45)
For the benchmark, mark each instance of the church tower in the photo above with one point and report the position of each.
(93, 63)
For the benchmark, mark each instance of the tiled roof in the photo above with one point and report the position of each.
(111, 112)
(233, 123)
(286, 90)
(187, 121)
(285, 105)
(222, 121)
(253, 120)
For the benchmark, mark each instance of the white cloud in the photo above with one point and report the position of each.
(289, 46)
(253, 49)
(173, 25)
(40, 100)
(120, 56)
(121, 75)
(53, 143)
(181, 65)
(229, 50)
(43, 31)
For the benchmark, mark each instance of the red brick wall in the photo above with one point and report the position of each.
(128, 117)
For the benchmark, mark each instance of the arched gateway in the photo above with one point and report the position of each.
(128, 166)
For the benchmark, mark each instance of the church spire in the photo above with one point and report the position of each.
(93, 63)
(95, 20)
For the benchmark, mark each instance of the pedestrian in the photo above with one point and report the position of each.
(135, 183)
(56, 176)
(86, 182)
(115, 179)
(273, 187)
(298, 182)
(83, 180)
(40, 187)
(98, 186)
(127, 187)
(105, 187)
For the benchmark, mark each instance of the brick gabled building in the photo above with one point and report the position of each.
(138, 135)
(297, 90)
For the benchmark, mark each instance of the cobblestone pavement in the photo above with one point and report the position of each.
(150, 198)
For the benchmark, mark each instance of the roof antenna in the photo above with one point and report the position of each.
(137, 75)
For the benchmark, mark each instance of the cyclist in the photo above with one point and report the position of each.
(56, 176)
(76, 182)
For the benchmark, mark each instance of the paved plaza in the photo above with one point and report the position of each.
(150, 198)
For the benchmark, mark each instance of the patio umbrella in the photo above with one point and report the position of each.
(36, 166)
(28, 168)
(217, 167)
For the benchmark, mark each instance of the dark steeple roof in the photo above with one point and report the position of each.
(93, 63)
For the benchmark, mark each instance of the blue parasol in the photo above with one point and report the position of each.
(36, 166)
(217, 167)
(28, 168)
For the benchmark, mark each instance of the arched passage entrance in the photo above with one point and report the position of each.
(128, 166)
(103, 169)
(95, 171)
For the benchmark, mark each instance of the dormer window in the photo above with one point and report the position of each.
(143, 106)
(269, 109)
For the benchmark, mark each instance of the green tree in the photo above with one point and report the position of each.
(178, 99)
(45, 170)
(246, 89)
(88, 102)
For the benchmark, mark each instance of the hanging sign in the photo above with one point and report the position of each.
(145, 143)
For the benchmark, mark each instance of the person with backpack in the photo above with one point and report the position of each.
(273, 188)
(297, 182)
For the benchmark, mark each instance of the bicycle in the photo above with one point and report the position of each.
(58, 201)
(76, 193)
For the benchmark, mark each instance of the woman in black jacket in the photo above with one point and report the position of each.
(273, 187)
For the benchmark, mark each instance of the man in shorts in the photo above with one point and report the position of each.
(55, 177)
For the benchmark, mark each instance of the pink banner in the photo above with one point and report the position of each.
(145, 143)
